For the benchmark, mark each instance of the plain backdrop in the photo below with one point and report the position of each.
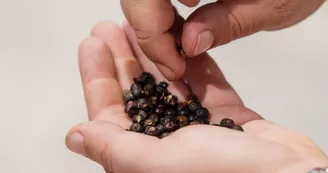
(281, 75)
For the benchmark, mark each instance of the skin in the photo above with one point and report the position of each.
(108, 61)
(223, 21)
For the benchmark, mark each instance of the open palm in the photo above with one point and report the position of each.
(109, 60)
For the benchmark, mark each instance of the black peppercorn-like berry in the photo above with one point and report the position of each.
(170, 112)
(131, 109)
(237, 127)
(182, 106)
(192, 117)
(171, 100)
(127, 96)
(160, 110)
(137, 93)
(160, 127)
(149, 90)
(142, 79)
(229, 123)
(138, 119)
(193, 106)
(163, 84)
(152, 131)
(153, 101)
(154, 117)
(195, 122)
(183, 112)
(183, 121)
(136, 127)
(202, 112)
(203, 120)
(149, 122)
(142, 113)
(159, 92)
(163, 135)
(170, 126)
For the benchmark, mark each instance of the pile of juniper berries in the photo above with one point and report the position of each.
(157, 112)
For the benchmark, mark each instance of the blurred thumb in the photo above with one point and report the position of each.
(221, 22)
(116, 149)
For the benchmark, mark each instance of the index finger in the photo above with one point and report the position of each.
(152, 21)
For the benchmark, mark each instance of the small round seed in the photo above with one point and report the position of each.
(131, 109)
(136, 127)
(170, 126)
(183, 112)
(149, 122)
(163, 84)
(160, 127)
(192, 117)
(154, 117)
(127, 96)
(229, 123)
(170, 112)
(171, 100)
(160, 110)
(163, 135)
(142, 113)
(149, 90)
(138, 119)
(193, 106)
(152, 131)
(237, 127)
(183, 121)
(202, 112)
(159, 92)
(195, 122)
(153, 101)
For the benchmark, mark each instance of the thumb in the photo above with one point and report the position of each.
(221, 22)
(116, 149)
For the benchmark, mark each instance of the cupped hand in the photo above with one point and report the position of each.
(108, 61)
(158, 27)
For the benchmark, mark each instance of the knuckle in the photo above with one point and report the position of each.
(281, 10)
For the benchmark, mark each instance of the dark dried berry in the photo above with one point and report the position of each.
(171, 100)
(168, 119)
(163, 135)
(149, 90)
(182, 106)
(229, 123)
(131, 109)
(138, 119)
(127, 96)
(193, 106)
(203, 120)
(237, 127)
(160, 127)
(195, 122)
(183, 112)
(146, 107)
(170, 126)
(137, 93)
(183, 121)
(154, 117)
(163, 84)
(160, 110)
(135, 86)
(153, 101)
(136, 127)
(192, 117)
(215, 124)
(142, 113)
(152, 131)
(142, 79)
(202, 112)
(170, 112)
(149, 122)
(159, 92)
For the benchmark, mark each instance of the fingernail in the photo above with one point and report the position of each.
(204, 42)
(75, 142)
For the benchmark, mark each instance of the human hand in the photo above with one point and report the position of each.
(108, 64)
(158, 28)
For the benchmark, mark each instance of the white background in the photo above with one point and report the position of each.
(281, 75)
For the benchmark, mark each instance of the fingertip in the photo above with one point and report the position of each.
(104, 26)
(190, 3)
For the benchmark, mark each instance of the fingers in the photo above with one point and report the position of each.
(178, 87)
(116, 149)
(127, 66)
(190, 3)
(101, 88)
(152, 20)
